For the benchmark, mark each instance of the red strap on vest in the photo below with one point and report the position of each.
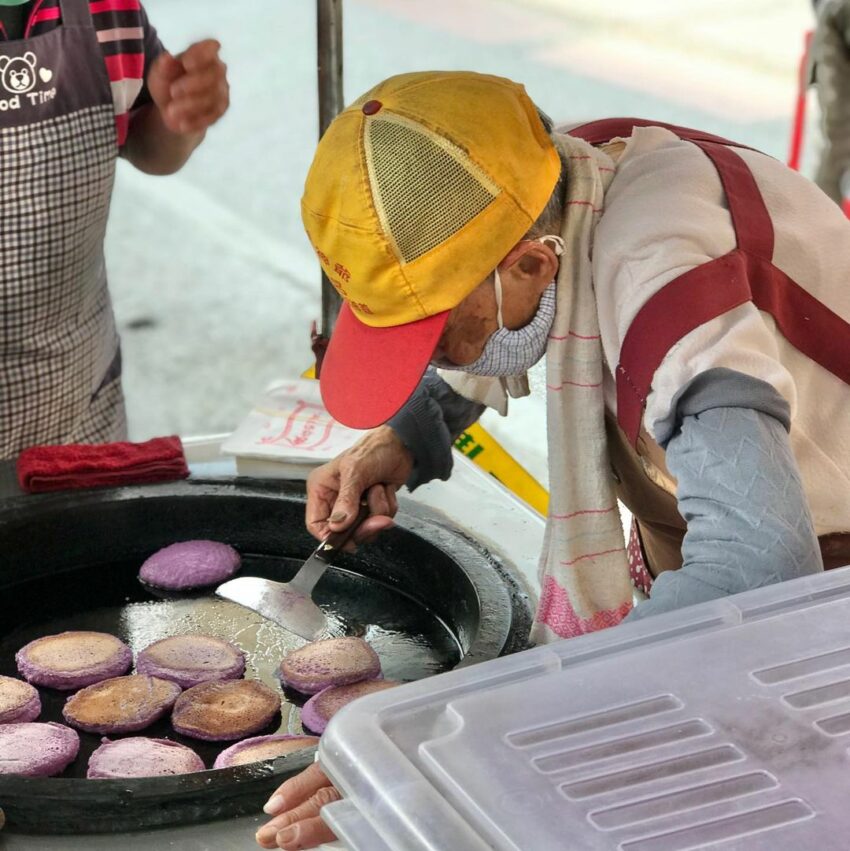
(750, 219)
(603, 131)
(708, 291)
(673, 312)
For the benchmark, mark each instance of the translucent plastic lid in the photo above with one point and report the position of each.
(722, 725)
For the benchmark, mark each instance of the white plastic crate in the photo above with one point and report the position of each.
(722, 725)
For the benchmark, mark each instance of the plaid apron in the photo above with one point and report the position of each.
(60, 362)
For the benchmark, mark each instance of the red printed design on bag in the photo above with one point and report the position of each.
(308, 427)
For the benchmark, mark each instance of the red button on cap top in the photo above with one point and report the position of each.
(371, 107)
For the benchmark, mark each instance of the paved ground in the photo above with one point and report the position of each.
(213, 282)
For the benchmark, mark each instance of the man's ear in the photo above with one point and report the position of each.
(533, 260)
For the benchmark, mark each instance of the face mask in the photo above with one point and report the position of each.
(508, 352)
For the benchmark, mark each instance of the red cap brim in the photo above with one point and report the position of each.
(369, 373)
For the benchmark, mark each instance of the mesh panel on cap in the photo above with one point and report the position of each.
(425, 188)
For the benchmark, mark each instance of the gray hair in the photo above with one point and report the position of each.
(550, 220)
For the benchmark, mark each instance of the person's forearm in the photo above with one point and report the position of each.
(428, 425)
(741, 494)
(154, 149)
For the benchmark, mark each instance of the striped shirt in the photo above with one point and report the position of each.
(128, 42)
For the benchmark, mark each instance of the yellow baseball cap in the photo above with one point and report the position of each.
(416, 192)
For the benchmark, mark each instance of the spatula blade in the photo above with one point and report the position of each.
(277, 602)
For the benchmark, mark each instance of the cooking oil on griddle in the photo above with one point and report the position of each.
(410, 639)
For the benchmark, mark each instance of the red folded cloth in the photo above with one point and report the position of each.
(55, 468)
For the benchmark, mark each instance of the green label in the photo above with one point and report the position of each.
(467, 444)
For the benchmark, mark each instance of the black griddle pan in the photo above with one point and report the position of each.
(427, 597)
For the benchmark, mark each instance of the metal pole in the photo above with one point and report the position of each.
(329, 30)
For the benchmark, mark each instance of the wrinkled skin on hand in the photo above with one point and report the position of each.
(377, 465)
(295, 807)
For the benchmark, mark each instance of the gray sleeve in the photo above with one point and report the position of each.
(721, 388)
(429, 423)
(740, 492)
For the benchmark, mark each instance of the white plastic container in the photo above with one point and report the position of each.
(722, 725)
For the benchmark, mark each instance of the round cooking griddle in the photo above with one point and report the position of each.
(424, 596)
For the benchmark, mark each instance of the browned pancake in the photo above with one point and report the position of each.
(321, 707)
(192, 659)
(142, 757)
(19, 701)
(263, 747)
(225, 710)
(330, 662)
(72, 660)
(121, 705)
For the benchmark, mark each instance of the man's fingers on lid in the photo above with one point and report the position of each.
(300, 788)
(326, 795)
(266, 835)
(310, 809)
(307, 834)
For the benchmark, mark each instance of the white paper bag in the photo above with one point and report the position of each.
(290, 425)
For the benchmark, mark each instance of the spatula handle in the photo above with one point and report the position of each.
(334, 543)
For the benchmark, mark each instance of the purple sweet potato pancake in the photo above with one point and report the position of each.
(189, 660)
(263, 747)
(142, 757)
(321, 707)
(72, 660)
(37, 750)
(19, 701)
(224, 710)
(121, 705)
(190, 564)
(331, 662)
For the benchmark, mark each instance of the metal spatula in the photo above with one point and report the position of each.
(290, 604)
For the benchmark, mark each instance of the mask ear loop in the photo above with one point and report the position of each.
(497, 285)
(558, 247)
